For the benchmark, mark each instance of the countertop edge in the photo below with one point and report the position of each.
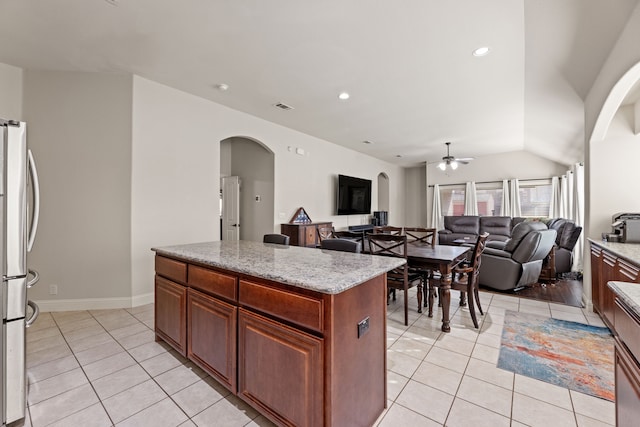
(629, 293)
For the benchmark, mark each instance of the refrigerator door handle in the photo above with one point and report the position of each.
(36, 277)
(36, 200)
(34, 315)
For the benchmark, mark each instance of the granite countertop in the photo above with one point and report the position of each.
(329, 272)
(630, 251)
(629, 293)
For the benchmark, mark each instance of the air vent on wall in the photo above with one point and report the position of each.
(283, 106)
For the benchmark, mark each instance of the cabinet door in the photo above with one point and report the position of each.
(607, 274)
(212, 336)
(627, 383)
(310, 233)
(596, 286)
(280, 370)
(171, 313)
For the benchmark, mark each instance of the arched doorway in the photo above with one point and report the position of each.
(253, 165)
(383, 192)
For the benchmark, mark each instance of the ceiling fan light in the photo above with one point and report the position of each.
(442, 166)
(454, 165)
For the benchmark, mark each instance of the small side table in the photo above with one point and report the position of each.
(548, 273)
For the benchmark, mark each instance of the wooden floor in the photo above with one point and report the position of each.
(564, 291)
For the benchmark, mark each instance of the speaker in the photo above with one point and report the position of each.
(380, 217)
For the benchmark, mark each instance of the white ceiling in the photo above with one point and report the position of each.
(407, 64)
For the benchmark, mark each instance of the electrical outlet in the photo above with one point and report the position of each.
(53, 289)
(363, 326)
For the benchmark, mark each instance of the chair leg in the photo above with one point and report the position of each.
(472, 309)
(406, 304)
(420, 291)
(476, 293)
(432, 294)
(463, 299)
(425, 288)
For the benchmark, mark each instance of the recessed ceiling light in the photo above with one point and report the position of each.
(221, 86)
(366, 141)
(343, 96)
(481, 51)
(398, 155)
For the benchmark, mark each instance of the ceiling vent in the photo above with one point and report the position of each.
(283, 106)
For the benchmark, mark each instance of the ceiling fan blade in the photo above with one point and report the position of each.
(464, 159)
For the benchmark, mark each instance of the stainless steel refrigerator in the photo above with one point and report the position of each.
(20, 200)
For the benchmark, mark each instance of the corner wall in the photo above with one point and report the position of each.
(79, 129)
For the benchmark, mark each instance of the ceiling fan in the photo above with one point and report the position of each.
(451, 161)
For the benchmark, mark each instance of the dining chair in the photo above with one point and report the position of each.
(421, 236)
(387, 229)
(325, 233)
(280, 239)
(464, 279)
(401, 277)
(357, 236)
(344, 245)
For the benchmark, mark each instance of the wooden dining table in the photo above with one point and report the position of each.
(442, 258)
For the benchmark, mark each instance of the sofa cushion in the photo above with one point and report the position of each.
(521, 230)
(496, 225)
(463, 224)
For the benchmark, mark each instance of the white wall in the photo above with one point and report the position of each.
(176, 170)
(10, 92)
(79, 128)
(254, 165)
(516, 164)
(416, 197)
(610, 189)
(614, 174)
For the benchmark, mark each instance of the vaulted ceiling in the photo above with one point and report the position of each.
(408, 65)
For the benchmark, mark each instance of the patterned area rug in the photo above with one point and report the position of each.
(568, 354)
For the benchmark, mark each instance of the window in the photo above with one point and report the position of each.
(489, 196)
(535, 197)
(452, 200)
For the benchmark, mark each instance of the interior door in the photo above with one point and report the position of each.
(231, 208)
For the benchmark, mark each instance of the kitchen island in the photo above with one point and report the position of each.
(627, 352)
(297, 333)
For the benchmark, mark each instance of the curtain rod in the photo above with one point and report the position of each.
(489, 182)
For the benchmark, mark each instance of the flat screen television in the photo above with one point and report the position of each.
(354, 195)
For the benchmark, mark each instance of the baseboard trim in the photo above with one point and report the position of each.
(94, 303)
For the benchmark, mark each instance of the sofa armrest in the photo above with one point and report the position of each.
(496, 244)
(444, 231)
(496, 252)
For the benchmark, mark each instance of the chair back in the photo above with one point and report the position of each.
(387, 229)
(476, 257)
(325, 233)
(358, 236)
(420, 236)
(344, 245)
(280, 239)
(388, 245)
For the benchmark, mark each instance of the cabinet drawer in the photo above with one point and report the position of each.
(172, 269)
(628, 329)
(300, 309)
(212, 282)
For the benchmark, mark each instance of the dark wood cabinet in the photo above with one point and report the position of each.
(303, 234)
(212, 336)
(170, 313)
(607, 266)
(596, 279)
(627, 369)
(289, 390)
(294, 354)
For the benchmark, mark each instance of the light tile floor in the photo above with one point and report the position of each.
(103, 368)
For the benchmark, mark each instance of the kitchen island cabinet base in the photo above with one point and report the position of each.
(316, 360)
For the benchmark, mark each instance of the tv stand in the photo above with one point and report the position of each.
(364, 227)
